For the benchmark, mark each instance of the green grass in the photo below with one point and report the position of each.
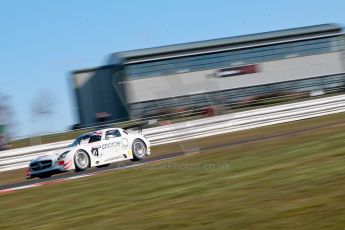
(286, 183)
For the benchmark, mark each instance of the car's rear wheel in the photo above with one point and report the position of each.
(81, 160)
(139, 149)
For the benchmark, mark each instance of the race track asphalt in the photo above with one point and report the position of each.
(93, 171)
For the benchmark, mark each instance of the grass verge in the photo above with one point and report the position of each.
(286, 183)
(208, 142)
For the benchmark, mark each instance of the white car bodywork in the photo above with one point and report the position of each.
(103, 147)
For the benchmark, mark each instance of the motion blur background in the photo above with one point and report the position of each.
(244, 103)
(83, 63)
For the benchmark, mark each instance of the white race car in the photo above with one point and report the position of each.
(98, 148)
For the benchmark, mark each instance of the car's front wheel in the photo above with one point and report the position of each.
(139, 149)
(81, 160)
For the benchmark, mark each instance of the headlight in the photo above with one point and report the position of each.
(62, 156)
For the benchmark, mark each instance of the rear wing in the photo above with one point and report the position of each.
(140, 126)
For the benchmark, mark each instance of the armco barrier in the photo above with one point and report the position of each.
(19, 158)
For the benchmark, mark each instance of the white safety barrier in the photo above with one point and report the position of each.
(20, 158)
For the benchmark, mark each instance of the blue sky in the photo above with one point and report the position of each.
(42, 41)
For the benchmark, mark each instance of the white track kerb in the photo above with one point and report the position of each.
(20, 158)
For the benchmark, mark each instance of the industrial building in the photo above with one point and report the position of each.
(152, 81)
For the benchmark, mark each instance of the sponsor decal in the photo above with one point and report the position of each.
(68, 164)
(115, 158)
(111, 145)
(238, 70)
(124, 142)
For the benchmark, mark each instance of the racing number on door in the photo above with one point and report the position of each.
(95, 151)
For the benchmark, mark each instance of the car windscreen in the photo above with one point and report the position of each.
(79, 140)
(86, 138)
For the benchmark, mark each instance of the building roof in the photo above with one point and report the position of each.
(213, 44)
